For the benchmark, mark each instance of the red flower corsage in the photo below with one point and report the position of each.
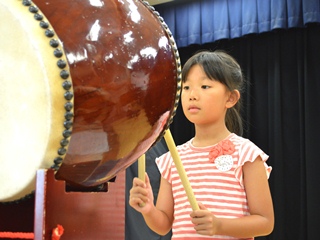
(225, 147)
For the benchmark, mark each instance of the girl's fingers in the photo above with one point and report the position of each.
(138, 182)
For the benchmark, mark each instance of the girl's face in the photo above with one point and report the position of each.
(204, 101)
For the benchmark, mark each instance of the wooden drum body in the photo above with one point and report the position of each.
(114, 89)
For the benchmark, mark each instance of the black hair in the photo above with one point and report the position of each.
(220, 66)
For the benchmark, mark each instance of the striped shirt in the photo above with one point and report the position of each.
(217, 184)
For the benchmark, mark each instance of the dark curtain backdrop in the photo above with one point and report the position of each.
(277, 43)
(281, 113)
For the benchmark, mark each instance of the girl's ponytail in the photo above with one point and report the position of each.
(233, 119)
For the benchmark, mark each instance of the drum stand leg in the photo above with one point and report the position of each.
(82, 215)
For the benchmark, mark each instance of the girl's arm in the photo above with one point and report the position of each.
(261, 220)
(159, 218)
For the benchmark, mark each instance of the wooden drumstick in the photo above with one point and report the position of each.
(182, 174)
(142, 167)
(142, 171)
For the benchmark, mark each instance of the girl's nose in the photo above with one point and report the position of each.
(193, 95)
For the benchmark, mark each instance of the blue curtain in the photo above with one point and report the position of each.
(205, 21)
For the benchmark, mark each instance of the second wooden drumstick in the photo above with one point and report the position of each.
(182, 174)
(142, 170)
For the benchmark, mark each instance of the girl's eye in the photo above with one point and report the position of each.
(185, 87)
(205, 86)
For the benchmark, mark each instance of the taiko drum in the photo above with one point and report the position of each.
(88, 86)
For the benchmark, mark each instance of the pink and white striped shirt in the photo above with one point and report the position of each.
(217, 183)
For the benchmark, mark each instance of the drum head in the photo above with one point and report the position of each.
(31, 100)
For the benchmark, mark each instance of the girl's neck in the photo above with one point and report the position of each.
(209, 136)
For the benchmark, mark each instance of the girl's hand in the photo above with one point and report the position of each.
(141, 195)
(205, 223)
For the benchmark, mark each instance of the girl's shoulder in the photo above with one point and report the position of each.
(241, 141)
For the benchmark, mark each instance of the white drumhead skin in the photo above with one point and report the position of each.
(31, 101)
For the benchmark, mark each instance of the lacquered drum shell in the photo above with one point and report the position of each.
(125, 77)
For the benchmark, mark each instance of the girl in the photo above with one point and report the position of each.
(227, 173)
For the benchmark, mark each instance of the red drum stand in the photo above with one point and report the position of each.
(81, 215)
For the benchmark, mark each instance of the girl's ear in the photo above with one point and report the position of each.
(233, 98)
